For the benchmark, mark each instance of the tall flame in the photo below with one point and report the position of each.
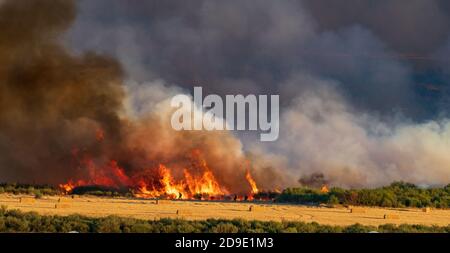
(159, 183)
(252, 182)
(165, 186)
(196, 180)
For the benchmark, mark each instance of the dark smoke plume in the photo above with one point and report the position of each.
(50, 100)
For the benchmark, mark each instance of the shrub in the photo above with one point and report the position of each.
(290, 230)
(2, 224)
(110, 224)
(14, 224)
(358, 228)
(142, 228)
(38, 194)
(333, 200)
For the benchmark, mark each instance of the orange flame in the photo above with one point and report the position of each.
(196, 181)
(68, 187)
(186, 188)
(252, 182)
(167, 187)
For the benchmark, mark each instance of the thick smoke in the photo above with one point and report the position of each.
(50, 101)
(152, 139)
(246, 47)
(58, 109)
(323, 134)
(415, 28)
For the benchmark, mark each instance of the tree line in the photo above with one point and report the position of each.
(398, 194)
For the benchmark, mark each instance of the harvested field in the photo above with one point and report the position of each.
(29, 200)
(357, 210)
(391, 216)
(148, 209)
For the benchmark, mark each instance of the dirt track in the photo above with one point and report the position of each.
(148, 209)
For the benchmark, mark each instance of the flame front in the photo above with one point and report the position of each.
(165, 186)
(197, 180)
(187, 188)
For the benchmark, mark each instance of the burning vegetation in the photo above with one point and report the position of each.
(197, 181)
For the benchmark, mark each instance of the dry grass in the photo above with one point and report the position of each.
(391, 216)
(162, 202)
(64, 200)
(29, 200)
(147, 209)
(63, 205)
(358, 210)
(184, 212)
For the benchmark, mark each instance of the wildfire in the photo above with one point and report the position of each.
(165, 186)
(187, 188)
(196, 180)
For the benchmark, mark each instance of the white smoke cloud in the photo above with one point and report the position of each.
(320, 132)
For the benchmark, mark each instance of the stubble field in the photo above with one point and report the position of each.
(200, 210)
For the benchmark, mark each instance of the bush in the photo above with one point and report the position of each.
(38, 194)
(290, 230)
(14, 224)
(2, 224)
(110, 224)
(358, 228)
(333, 200)
(141, 228)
